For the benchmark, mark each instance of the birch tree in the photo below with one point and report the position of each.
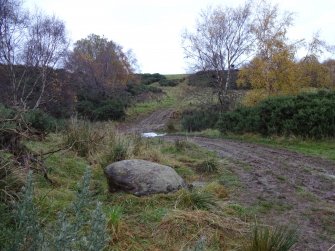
(31, 45)
(223, 38)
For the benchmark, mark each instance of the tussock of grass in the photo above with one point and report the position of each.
(195, 200)
(182, 229)
(81, 137)
(267, 239)
(208, 166)
(11, 178)
(217, 190)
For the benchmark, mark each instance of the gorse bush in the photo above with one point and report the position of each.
(36, 120)
(136, 89)
(198, 120)
(102, 109)
(148, 78)
(307, 115)
(42, 121)
(79, 227)
(169, 82)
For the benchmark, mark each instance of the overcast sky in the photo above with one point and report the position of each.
(152, 28)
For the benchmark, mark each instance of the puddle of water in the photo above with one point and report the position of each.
(152, 134)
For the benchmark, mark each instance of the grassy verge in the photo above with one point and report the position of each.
(321, 148)
(177, 97)
(175, 76)
(168, 100)
(176, 221)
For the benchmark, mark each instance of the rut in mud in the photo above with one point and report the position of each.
(293, 188)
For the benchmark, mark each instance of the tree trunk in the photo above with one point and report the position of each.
(227, 81)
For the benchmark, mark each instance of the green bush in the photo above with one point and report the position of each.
(198, 120)
(309, 115)
(42, 121)
(112, 109)
(136, 89)
(33, 119)
(169, 82)
(148, 78)
(102, 110)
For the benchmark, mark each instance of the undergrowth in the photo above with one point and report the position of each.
(78, 227)
(191, 219)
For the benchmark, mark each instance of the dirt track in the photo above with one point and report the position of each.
(155, 121)
(291, 188)
(297, 189)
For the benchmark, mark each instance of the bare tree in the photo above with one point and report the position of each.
(30, 46)
(223, 38)
(13, 23)
(45, 47)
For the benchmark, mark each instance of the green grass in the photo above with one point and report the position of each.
(178, 219)
(134, 221)
(178, 98)
(147, 107)
(176, 76)
(168, 100)
(321, 148)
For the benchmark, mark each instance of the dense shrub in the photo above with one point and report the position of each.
(197, 120)
(307, 115)
(42, 121)
(102, 110)
(34, 119)
(148, 78)
(169, 82)
(136, 89)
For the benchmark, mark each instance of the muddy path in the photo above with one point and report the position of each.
(156, 121)
(286, 187)
(283, 187)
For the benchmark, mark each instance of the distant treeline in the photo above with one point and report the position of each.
(209, 79)
(66, 94)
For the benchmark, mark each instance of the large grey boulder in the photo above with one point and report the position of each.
(141, 177)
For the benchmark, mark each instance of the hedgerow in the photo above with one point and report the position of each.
(309, 115)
